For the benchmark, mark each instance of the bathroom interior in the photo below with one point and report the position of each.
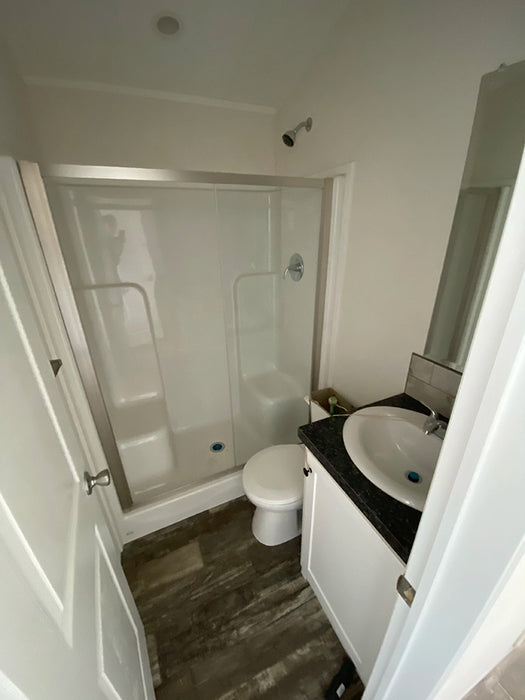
(244, 209)
(201, 347)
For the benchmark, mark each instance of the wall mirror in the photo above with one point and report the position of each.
(493, 159)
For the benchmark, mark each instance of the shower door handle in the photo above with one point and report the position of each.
(103, 478)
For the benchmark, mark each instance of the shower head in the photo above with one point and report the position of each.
(289, 136)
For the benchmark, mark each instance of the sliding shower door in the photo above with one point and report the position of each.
(144, 266)
(202, 349)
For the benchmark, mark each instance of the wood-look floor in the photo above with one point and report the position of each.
(227, 618)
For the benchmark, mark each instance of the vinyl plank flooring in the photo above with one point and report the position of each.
(227, 618)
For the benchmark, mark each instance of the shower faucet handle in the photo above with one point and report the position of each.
(291, 268)
(295, 268)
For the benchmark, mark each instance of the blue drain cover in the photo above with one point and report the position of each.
(413, 477)
(217, 446)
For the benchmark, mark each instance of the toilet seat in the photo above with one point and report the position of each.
(273, 477)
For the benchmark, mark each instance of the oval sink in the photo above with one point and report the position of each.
(389, 447)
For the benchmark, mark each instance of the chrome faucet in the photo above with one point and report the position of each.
(433, 424)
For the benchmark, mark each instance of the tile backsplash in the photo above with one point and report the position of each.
(433, 384)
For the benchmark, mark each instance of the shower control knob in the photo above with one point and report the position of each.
(307, 471)
(295, 268)
(103, 478)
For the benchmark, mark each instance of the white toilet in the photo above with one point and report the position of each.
(273, 482)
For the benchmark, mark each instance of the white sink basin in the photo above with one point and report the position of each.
(389, 447)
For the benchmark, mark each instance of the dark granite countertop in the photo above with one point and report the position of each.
(395, 522)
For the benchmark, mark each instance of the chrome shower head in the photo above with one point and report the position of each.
(290, 136)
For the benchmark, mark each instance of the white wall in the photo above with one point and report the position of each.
(397, 95)
(16, 139)
(106, 128)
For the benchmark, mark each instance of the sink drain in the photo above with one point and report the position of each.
(413, 477)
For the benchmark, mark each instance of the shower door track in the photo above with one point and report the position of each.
(102, 174)
(33, 181)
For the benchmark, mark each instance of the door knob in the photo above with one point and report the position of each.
(103, 478)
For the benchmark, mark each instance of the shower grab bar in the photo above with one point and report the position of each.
(149, 316)
(122, 285)
(235, 299)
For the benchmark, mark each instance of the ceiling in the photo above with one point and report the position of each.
(250, 51)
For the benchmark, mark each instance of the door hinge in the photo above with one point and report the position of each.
(405, 590)
(56, 365)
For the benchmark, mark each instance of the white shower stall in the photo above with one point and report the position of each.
(194, 346)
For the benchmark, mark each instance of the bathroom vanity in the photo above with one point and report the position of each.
(356, 539)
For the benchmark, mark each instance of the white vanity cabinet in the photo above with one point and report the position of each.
(351, 569)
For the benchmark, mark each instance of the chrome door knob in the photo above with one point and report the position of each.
(103, 478)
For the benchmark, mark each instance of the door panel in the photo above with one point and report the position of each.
(118, 657)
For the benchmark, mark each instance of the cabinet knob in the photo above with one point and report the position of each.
(307, 471)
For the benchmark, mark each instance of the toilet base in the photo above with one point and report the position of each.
(271, 527)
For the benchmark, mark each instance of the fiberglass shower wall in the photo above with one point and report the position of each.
(269, 319)
(201, 349)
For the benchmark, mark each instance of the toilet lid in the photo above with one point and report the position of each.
(275, 474)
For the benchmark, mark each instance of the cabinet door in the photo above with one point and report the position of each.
(350, 567)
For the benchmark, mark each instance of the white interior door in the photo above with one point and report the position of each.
(69, 627)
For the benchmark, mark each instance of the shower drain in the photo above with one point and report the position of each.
(217, 447)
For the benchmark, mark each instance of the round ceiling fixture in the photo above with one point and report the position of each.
(167, 25)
